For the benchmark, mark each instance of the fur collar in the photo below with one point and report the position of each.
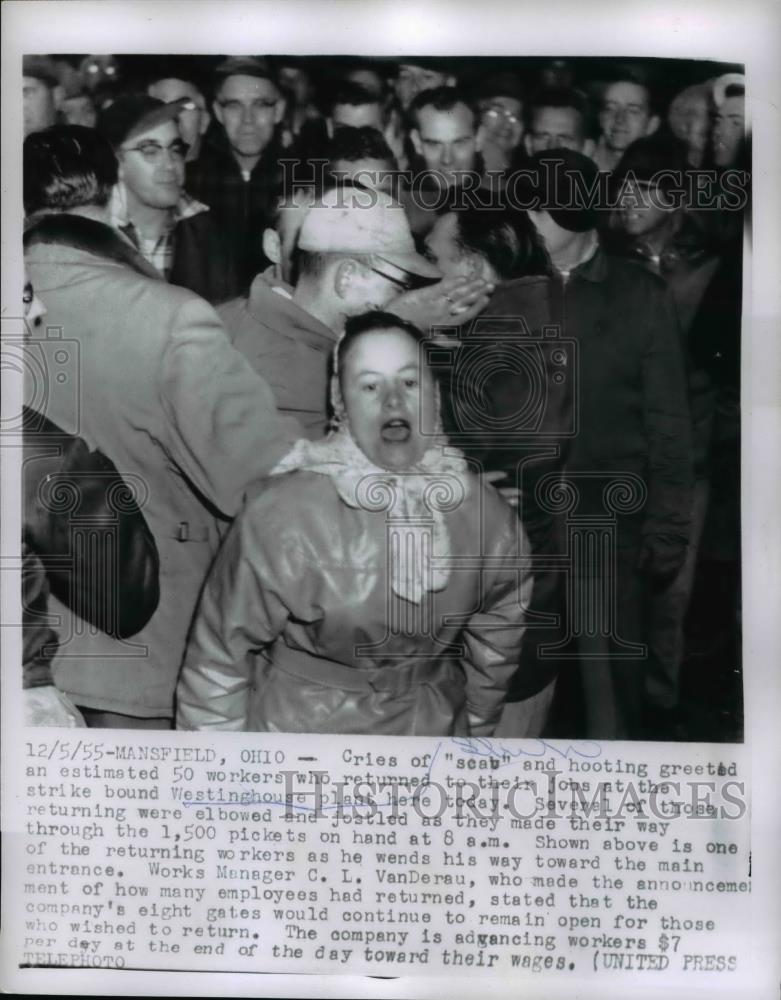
(89, 235)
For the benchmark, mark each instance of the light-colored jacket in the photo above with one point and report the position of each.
(145, 372)
(299, 629)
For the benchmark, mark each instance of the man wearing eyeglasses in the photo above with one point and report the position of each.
(149, 206)
(237, 173)
(500, 107)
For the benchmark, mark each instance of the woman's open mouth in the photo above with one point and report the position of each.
(397, 430)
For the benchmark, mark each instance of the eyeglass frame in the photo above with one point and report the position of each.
(178, 150)
(497, 111)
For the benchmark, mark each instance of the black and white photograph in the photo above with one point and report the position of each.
(378, 383)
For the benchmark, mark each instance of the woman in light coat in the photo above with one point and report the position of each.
(374, 585)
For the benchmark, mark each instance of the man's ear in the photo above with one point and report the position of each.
(479, 138)
(589, 145)
(653, 124)
(344, 277)
(217, 112)
(272, 246)
(417, 145)
(58, 96)
(205, 120)
(279, 110)
(527, 144)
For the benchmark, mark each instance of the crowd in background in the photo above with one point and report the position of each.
(239, 179)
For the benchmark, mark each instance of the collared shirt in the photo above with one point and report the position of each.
(158, 252)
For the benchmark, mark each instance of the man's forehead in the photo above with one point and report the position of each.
(513, 104)
(164, 133)
(626, 92)
(241, 86)
(459, 118)
(563, 117)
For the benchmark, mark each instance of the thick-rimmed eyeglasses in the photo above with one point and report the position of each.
(399, 282)
(152, 152)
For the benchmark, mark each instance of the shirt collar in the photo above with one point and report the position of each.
(185, 208)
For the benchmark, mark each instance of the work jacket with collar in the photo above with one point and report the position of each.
(287, 346)
(632, 407)
(241, 206)
(298, 629)
(193, 252)
(144, 371)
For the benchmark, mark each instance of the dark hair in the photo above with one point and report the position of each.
(364, 143)
(353, 94)
(67, 166)
(368, 322)
(508, 240)
(631, 73)
(559, 97)
(439, 98)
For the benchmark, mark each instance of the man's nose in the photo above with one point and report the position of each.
(447, 156)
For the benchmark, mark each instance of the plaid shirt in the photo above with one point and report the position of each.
(159, 252)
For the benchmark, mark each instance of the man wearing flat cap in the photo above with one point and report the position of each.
(630, 463)
(149, 206)
(237, 173)
(355, 253)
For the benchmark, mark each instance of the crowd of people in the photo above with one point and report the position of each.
(422, 376)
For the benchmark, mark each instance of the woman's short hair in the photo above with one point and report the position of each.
(369, 322)
(65, 167)
(507, 240)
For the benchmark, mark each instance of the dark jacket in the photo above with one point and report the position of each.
(240, 209)
(687, 264)
(509, 406)
(632, 408)
(84, 524)
(205, 259)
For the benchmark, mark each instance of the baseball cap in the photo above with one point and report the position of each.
(353, 220)
(41, 68)
(563, 182)
(131, 114)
